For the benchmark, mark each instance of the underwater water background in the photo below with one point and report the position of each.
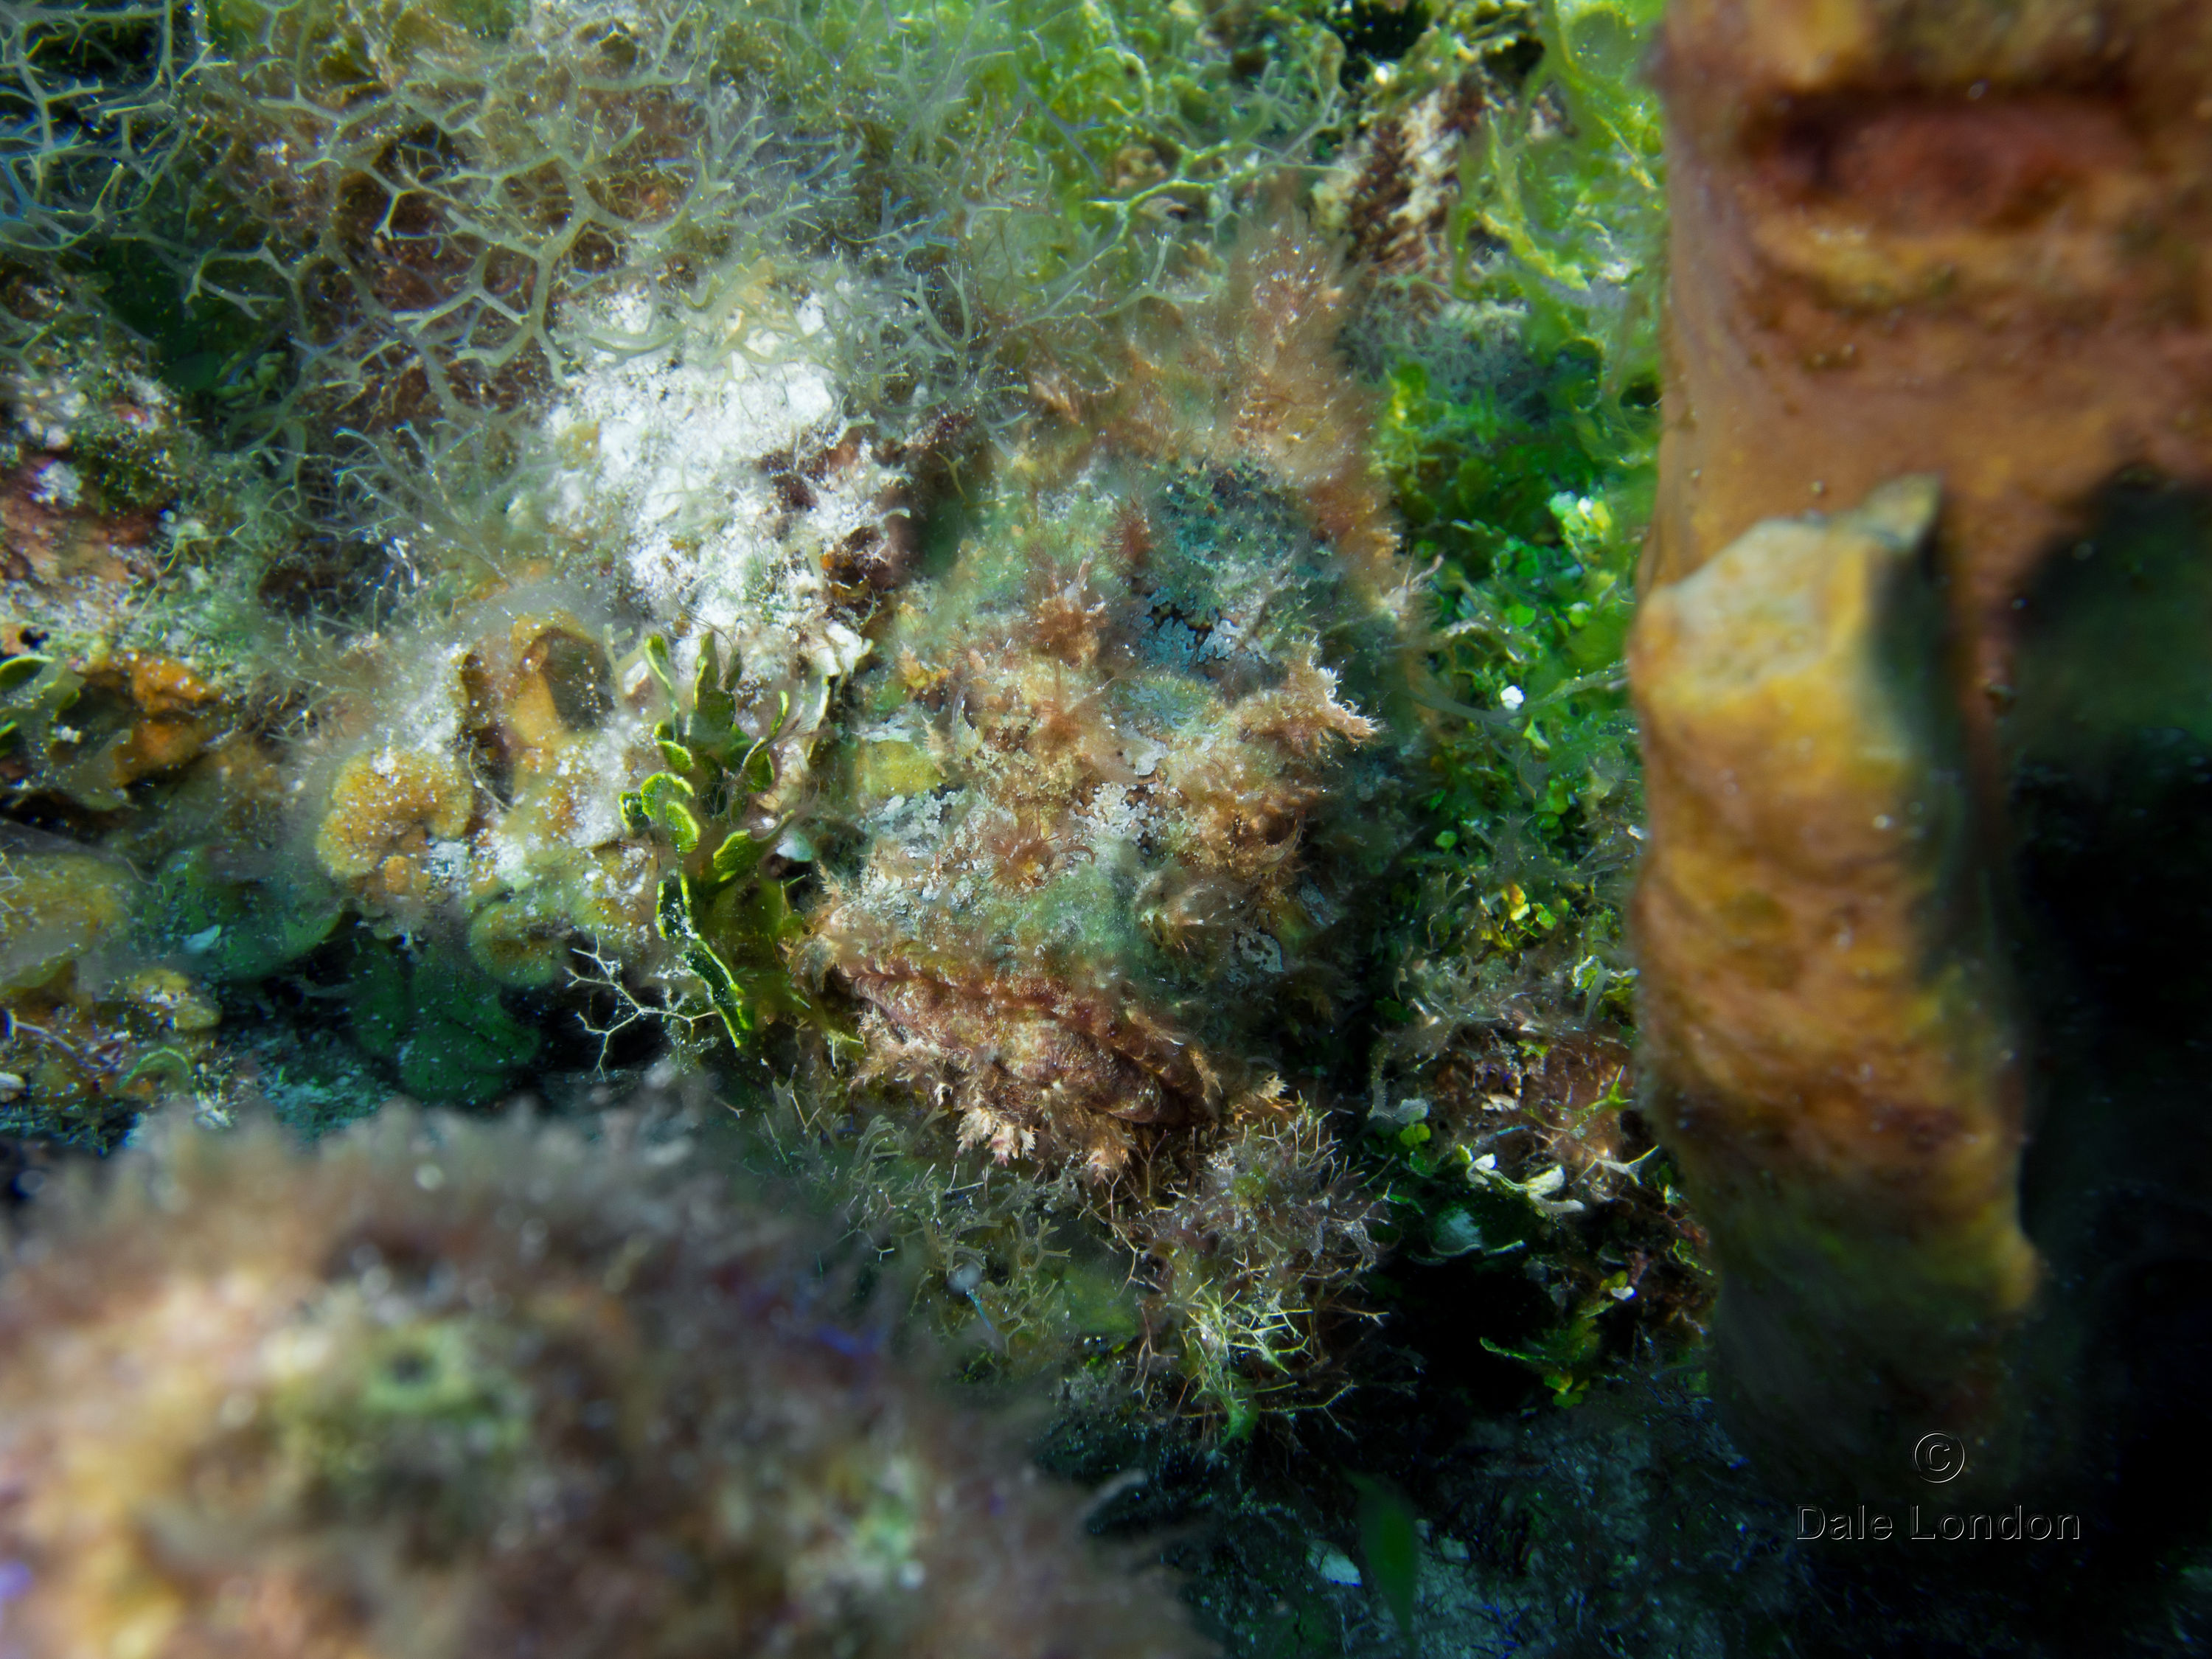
(820, 822)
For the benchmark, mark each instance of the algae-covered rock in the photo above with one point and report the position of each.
(237, 924)
(1114, 818)
(1117, 741)
(97, 1021)
(85, 732)
(388, 805)
(438, 1022)
(1102, 844)
(61, 907)
(443, 1389)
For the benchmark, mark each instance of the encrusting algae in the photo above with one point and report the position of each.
(446, 1388)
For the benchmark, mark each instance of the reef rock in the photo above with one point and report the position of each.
(444, 1390)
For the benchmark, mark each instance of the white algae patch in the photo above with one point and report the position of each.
(714, 466)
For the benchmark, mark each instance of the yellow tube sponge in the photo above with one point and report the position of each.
(1830, 1035)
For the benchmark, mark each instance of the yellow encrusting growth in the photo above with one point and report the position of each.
(387, 805)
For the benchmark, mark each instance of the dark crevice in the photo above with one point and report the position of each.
(2109, 753)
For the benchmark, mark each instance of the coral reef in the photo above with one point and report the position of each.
(861, 548)
(443, 1388)
(1035, 595)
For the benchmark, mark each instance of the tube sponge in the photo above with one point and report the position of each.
(1829, 1028)
(444, 1389)
(1959, 240)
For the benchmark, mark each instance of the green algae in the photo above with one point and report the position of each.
(1522, 453)
(237, 929)
(437, 1022)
